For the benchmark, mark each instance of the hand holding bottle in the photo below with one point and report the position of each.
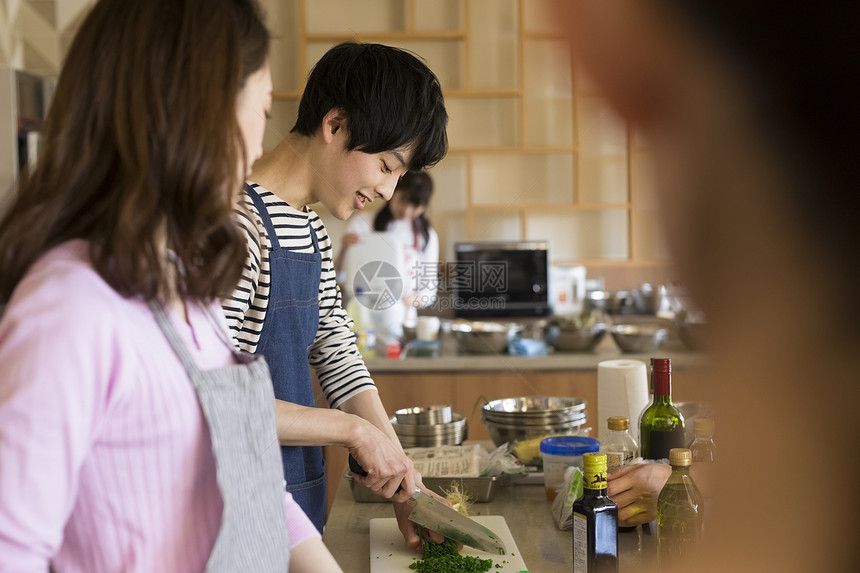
(635, 490)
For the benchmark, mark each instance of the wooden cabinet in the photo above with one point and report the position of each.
(467, 392)
(535, 153)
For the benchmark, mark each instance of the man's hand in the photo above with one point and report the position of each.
(387, 466)
(409, 529)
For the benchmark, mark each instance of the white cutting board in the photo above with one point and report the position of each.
(389, 553)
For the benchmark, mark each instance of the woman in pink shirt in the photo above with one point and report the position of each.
(132, 438)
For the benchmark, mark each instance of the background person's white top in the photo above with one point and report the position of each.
(421, 259)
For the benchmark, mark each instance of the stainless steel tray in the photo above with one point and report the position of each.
(479, 489)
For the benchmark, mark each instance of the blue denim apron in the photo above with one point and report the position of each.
(289, 330)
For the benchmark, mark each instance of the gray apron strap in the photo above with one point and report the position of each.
(173, 338)
(239, 405)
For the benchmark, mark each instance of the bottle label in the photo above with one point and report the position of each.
(615, 460)
(662, 442)
(580, 543)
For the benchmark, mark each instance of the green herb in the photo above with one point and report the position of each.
(443, 558)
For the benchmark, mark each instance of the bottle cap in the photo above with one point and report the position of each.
(680, 457)
(594, 470)
(703, 427)
(618, 423)
(568, 445)
(661, 365)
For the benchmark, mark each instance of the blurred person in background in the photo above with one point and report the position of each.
(132, 436)
(368, 114)
(405, 216)
(750, 109)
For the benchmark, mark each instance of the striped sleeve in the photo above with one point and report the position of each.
(245, 310)
(335, 357)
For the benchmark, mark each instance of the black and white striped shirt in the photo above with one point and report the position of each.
(339, 367)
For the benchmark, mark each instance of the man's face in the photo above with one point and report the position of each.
(352, 179)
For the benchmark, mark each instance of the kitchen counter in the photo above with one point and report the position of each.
(543, 547)
(451, 359)
(466, 382)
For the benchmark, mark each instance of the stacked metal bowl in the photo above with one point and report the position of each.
(526, 417)
(428, 426)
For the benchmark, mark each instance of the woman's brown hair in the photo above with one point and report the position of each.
(141, 149)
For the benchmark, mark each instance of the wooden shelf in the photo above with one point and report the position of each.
(482, 93)
(383, 37)
(286, 96)
(501, 150)
(521, 114)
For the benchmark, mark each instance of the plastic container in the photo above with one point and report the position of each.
(559, 453)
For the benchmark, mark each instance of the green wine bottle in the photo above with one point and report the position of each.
(679, 515)
(661, 426)
(595, 521)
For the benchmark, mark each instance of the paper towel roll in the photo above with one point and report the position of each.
(622, 390)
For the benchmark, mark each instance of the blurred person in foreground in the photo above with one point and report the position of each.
(750, 109)
(368, 114)
(132, 436)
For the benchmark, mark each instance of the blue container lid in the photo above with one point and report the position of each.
(568, 445)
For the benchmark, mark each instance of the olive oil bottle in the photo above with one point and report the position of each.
(661, 426)
(679, 515)
(595, 521)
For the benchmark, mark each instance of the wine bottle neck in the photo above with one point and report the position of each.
(662, 384)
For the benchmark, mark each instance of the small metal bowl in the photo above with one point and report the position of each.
(484, 337)
(639, 338)
(452, 433)
(424, 415)
(574, 339)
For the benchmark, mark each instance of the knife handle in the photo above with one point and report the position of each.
(356, 468)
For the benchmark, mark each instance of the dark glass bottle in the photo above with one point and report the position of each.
(595, 521)
(661, 426)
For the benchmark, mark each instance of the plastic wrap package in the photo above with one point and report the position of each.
(501, 461)
(562, 505)
(465, 461)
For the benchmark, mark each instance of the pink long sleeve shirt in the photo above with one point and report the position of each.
(105, 457)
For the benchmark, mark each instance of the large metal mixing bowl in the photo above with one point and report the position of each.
(502, 433)
(542, 408)
(526, 417)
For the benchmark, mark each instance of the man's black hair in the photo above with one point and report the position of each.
(390, 99)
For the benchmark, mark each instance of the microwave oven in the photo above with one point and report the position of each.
(500, 279)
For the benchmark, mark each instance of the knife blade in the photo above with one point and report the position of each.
(448, 522)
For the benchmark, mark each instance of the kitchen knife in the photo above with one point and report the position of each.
(448, 522)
